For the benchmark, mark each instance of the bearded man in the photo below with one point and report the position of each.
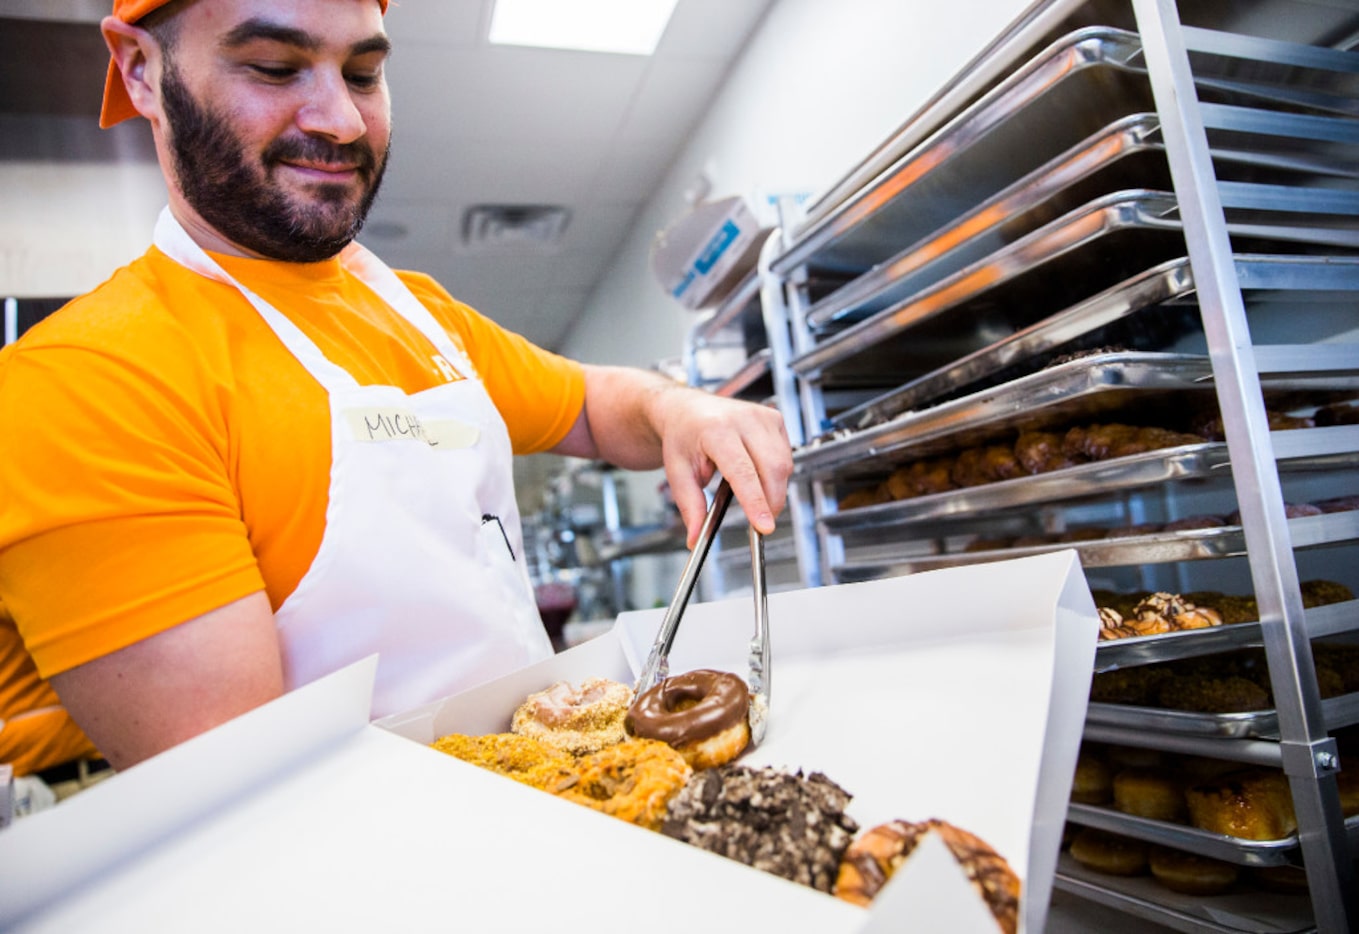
(257, 454)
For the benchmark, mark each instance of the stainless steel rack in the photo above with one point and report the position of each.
(1165, 178)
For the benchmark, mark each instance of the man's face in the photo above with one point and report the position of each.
(279, 121)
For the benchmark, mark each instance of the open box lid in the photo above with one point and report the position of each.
(302, 815)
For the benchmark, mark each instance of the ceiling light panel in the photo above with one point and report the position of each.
(628, 27)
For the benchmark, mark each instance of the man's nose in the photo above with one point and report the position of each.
(330, 110)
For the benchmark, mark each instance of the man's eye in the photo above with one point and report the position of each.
(274, 72)
(364, 81)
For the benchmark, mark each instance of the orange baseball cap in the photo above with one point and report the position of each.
(117, 105)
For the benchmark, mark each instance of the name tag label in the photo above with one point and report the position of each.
(380, 423)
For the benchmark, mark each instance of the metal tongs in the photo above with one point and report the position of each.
(657, 667)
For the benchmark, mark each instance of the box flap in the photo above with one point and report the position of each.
(51, 854)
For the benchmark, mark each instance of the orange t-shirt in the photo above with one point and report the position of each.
(165, 454)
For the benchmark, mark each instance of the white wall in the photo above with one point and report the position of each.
(821, 84)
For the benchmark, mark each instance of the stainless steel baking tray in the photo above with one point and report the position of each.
(1166, 282)
(731, 309)
(1249, 146)
(1085, 387)
(1124, 473)
(1076, 86)
(1072, 89)
(1160, 548)
(1243, 911)
(1304, 76)
(1111, 655)
(1305, 25)
(751, 372)
(1251, 724)
(1126, 154)
(1066, 261)
(1182, 837)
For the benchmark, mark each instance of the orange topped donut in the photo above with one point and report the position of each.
(702, 714)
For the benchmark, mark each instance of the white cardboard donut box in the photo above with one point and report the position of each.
(956, 694)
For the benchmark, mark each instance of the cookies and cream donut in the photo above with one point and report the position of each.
(784, 823)
(702, 714)
(579, 721)
(880, 851)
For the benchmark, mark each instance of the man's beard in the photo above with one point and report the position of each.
(244, 203)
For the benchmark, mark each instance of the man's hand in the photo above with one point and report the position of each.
(641, 420)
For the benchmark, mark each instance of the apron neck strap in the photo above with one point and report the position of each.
(172, 240)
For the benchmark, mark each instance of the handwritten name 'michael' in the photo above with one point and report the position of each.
(395, 425)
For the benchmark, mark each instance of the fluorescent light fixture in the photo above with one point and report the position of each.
(628, 27)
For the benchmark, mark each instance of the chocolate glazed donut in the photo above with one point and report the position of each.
(702, 714)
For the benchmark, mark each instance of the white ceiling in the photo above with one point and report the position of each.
(477, 124)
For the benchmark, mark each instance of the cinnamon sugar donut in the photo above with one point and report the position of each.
(880, 851)
(633, 780)
(702, 714)
(577, 721)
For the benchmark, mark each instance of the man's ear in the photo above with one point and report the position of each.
(135, 52)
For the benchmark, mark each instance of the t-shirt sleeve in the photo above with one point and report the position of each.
(118, 521)
(540, 394)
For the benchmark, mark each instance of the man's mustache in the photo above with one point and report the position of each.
(311, 149)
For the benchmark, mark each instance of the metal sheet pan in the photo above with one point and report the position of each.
(1067, 260)
(1079, 84)
(1045, 23)
(1244, 911)
(751, 372)
(1252, 724)
(1085, 387)
(1168, 281)
(1126, 154)
(731, 309)
(1071, 89)
(1182, 837)
(1159, 548)
(1084, 480)
(1249, 146)
(1111, 655)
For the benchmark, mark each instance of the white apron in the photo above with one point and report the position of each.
(422, 558)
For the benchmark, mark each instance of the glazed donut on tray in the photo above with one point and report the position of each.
(703, 715)
(577, 721)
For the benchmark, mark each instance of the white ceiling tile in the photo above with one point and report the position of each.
(672, 97)
(513, 95)
(711, 28)
(598, 229)
(453, 23)
(631, 169)
(428, 224)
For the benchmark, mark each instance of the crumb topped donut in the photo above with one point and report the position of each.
(579, 721)
(702, 714)
(521, 758)
(633, 780)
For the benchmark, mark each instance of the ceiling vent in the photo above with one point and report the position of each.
(536, 228)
